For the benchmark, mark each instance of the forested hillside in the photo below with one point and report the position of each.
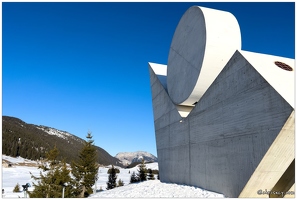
(32, 142)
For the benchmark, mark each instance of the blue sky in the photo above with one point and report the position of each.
(84, 66)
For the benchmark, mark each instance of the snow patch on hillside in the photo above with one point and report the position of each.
(52, 131)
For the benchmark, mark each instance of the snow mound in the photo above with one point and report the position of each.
(156, 189)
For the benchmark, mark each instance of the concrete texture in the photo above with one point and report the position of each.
(238, 139)
(281, 80)
(204, 37)
(274, 171)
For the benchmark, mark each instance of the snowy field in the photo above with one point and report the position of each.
(19, 173)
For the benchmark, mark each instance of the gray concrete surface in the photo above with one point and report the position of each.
(220, 144)
(203, 42)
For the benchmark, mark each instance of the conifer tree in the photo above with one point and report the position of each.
(56, 175)
(17, 188)
(150, 175)
(120, 183)
(85, 170)
(142, 171)
(112, 178)
(134, 178)
(116, 170)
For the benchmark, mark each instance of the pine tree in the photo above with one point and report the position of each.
(54, 177)
(85, 170)
(142, 171)
(134, 178)
(17, 188)
(150, 175)
(120, 183)
(112, 178)
(116, 170)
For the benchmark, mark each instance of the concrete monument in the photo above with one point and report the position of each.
(223, 117)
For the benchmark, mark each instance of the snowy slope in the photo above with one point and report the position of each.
(18, 160)
(43, 138)
(56, 132)
(130, 157)
(20, 174)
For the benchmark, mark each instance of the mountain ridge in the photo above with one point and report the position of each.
(128, 158)
(33, 141)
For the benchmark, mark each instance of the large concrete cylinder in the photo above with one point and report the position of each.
(203, 42)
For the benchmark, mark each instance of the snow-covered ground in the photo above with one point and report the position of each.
(156, 189)
(19, 173)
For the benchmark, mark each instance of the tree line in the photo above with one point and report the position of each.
(30, 141)
(58, 180)
(143, 174)
(27, 141)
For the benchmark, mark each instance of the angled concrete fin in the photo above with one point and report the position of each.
(274, 164)
(165, 113)
(162, 103)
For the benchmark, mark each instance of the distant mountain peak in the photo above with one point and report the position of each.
(130, 157)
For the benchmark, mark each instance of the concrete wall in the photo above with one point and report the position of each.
(219, 145)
